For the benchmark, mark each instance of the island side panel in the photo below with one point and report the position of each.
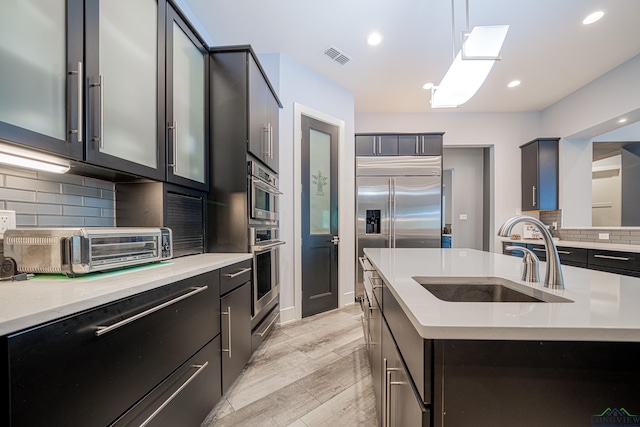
(534, 383)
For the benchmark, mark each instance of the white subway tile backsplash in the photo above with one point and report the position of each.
(33, 184)
(34, 208)
(79, 190)
(81, 211)
(22, 195)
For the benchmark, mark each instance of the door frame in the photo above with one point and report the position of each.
(298, 111)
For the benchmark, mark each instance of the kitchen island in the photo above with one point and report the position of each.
(500, 363)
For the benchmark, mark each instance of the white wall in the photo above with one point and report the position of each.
(590, 111)
(298, 84)
(504, 131)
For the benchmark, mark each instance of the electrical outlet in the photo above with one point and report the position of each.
(7, 221)
(603, 236)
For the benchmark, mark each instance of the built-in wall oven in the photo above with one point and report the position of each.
(265, 246)
(263, 195)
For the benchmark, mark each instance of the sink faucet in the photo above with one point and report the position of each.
(553, 278)
(531, 270)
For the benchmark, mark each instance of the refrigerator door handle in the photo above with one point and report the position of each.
(390, 215)
(393, 215)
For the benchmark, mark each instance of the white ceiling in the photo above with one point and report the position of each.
(547, 46)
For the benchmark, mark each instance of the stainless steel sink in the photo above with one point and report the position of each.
(484, 289)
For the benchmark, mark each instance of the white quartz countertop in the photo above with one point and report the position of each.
(605, 306)
(576, 244)
(43, 298)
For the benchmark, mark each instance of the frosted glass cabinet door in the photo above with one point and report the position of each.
(125, 80)
(41, 74)
(186, 90)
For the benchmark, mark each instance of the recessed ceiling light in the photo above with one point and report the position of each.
(622, 120)
(595, 16)
(374, 39)
(514, 83)
(427, 86)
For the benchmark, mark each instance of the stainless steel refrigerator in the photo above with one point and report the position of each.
(398, 203)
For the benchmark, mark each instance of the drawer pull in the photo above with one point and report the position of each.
(364, 268)
(105, 329)
(268, 327)
(175, 393)
(619, 258)
(539, 250)
(565, 252)
(234, 275)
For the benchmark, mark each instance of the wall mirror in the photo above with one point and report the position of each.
(616, 177)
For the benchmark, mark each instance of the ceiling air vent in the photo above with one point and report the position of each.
(336, 55)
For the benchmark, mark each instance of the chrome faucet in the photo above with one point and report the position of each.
(553, 278)
(531, 269)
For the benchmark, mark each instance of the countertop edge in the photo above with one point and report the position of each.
(178, 269)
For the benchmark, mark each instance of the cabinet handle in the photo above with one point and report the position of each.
(422, 138)
(385, 391)
(540, 250)
(228, 313)
(79, 131)
(231, 276)
(373, 145)
(417, 139)
(100, 84)
(265, 141)
(379, 145)
(101, 330)
(174, 130)
(364, 267)
(619, 258)
(388, 384)
(270, 141)
(534, 195)
(565, 252)
(175, 393)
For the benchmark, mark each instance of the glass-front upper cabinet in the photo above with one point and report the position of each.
(41, 75)
(187, 89)
(125, 84)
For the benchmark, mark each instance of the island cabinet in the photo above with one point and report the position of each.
(492, 382)
(244, 106)
(235, 310)
(539, 174)
(154, 357)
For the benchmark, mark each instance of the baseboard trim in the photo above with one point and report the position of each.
(287, 315)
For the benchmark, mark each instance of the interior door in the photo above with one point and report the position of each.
(319, 216)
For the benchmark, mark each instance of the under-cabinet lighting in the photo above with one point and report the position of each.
(20, 157)
(471, 66)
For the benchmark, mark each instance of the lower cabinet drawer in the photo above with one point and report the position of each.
(185, 398)
(76, 372)
(617, 260)
(572, 256)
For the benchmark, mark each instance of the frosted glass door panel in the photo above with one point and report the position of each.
(320, 179)
(33, 65)
(188, 107)
(129, 67)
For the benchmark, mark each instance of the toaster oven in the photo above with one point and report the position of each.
(76, 251)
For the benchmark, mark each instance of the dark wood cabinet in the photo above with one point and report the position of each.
(415, 144)
(420, 145)
(376, 145)
(245, 109)
(539, 174)
(42, 106)
(185, 398)
(126, 133)
(90, 368)
(187, 105)
(235, 308)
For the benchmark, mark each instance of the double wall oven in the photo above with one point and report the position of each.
(264, 244)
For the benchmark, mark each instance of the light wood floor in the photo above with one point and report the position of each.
(313, 372)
